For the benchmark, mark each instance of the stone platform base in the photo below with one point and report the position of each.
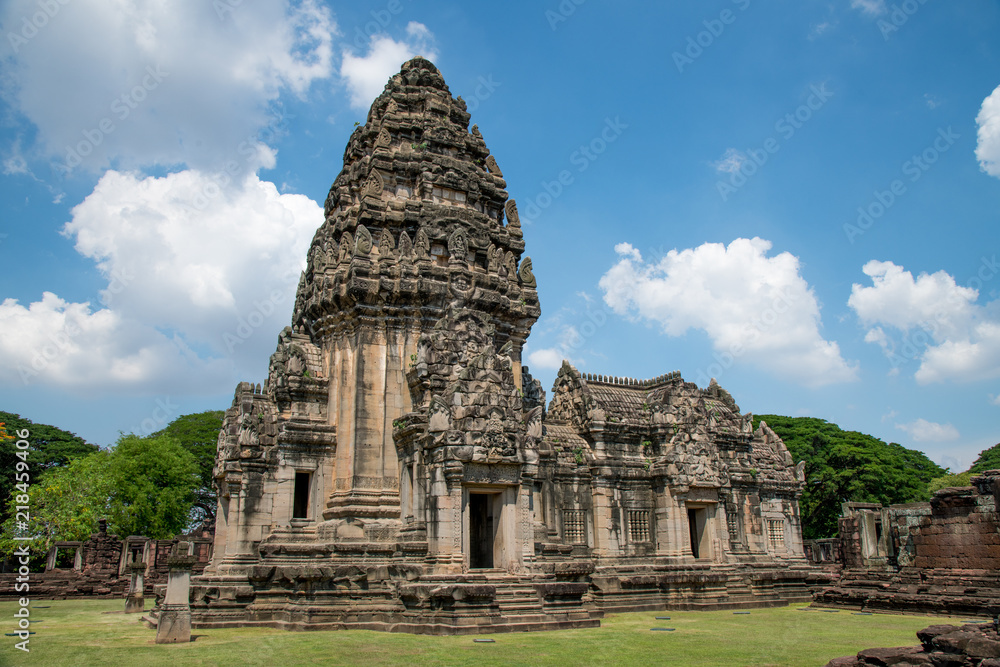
(397, 598)
(951, 592)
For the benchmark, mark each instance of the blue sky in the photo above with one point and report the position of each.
(798, 198)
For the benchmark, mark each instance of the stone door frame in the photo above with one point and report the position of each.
(505, 547)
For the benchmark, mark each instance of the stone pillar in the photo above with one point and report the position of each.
(174, 623)
(134, 602)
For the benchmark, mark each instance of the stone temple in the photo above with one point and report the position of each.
(399, 468)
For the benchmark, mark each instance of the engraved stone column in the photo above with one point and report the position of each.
(134, 602)
(174, 625)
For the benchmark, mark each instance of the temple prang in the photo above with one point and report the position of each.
(398, 469)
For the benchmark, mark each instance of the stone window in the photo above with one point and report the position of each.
(638, 526)
(65, 558)
(575, 526)
(732, 523)
(776, 533)
(300, 498)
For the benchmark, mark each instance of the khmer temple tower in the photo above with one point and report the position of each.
(399, 470)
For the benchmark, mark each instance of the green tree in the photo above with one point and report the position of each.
(943, 482)
(64, 503)
(846, 466)
(199, 434)
(989, 459)
(49, 447)
(153, 486)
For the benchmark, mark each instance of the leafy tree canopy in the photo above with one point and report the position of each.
(63, 504)
(144, 486)
(943, 482)
(153, 486)
(49, 447)
(989, 459)
(199, 434)
(844, 466)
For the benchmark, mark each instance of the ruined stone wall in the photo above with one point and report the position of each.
(850, 541)
(960, 533)
(944, 555)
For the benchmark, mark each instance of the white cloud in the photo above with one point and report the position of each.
(546, 358)
(58, 344)
(731, 162)
(754, 307)
(367, 75)
(570, 342)
(938, 321)
(988, 144)
(995, 400)
(184, 268)
(926, 431)
(870, 7)
(143, 83)
(896, 299)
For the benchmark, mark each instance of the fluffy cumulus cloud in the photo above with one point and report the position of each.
(140, 83)
(988, 144)
(926, 431)
(71, 345)
(931, 319)
(754, 307)
(200, 277)
(366, 76)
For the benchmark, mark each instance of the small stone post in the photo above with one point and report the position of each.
(174, 623)
(134, 602)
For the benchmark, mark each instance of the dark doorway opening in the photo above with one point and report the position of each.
(480, 530)
(300, 499)
(697, 520)
(693, 528)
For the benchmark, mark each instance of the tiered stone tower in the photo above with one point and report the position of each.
(397, 470)
(418, 221)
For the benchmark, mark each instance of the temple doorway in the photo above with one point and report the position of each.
(483, 522)
(697, 524)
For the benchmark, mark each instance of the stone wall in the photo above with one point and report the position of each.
(937, 557)
(961, 532)
(97, 567)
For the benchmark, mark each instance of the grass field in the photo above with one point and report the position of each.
(95, 632)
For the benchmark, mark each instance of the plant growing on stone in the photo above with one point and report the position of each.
(578, 453)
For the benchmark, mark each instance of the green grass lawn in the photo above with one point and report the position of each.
(94, 632)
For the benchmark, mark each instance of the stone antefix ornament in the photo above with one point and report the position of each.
(491, 165)
(399, 470)
(362, 242)
(525, 275)
(174, 621)
(513, 219)
(374, 185)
